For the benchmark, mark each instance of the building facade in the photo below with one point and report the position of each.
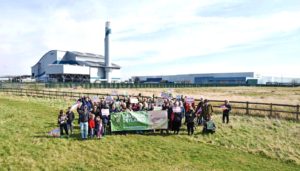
(72, 66)
(238, 78)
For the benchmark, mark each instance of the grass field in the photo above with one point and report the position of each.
(247, 143)
(284, 95)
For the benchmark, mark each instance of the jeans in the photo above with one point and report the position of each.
(84, 128)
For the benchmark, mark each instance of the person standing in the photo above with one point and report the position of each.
(62, 121)
(70, 117)
(199, 111)
(84, 118)
(190, 117)
(92, 125)
(207, 110)
(226, 109)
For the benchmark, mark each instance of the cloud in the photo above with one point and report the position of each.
(152, 34)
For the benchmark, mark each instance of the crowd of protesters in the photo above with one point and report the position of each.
(93, 123)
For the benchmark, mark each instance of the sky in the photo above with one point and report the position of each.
(156, 37)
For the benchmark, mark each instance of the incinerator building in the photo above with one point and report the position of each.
(72, 66)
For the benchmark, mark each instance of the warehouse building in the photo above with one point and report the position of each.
(72, 66)
(238, 78)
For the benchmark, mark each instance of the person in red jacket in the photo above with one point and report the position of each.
(92, 125)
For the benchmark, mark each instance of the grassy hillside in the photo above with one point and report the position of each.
(245, 144)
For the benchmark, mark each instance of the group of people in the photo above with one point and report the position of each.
(94, 123)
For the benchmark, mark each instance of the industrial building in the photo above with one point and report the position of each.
(238, 78)
(72, 66)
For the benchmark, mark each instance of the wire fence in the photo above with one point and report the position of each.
(273, 110)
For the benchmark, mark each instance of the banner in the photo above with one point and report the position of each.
(105, 112)
(140, 120)
(165, 95)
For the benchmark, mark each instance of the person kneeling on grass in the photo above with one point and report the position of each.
(209, 126)
(62, 121)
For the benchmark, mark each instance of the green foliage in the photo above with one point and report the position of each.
(247, 144)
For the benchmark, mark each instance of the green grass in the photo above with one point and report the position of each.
(247, 144)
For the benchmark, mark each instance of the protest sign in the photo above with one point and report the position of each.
(140, 120)
(105, 112)
(189, 100)
(176, 109)
(165, 95)
(159, 102)
(96, 99)
(223, 107)
(109, 99)
(178, 97)
(134, 100)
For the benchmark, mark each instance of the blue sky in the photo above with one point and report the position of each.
(154, 37)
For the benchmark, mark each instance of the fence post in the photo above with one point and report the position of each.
(247, 108)
(297, 114)
(271, 109)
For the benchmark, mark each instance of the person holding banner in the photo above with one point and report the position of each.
(177, 118)
(226, 109)
(105, 119)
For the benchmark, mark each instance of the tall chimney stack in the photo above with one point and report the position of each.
(106, 52)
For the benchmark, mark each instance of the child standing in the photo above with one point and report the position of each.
(92, 125)
(99, 127)
(62, 121)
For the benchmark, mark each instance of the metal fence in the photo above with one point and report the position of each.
(240, 107)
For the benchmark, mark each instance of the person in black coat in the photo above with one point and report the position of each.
(190, 120)
(70, 119)
(226, 110)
